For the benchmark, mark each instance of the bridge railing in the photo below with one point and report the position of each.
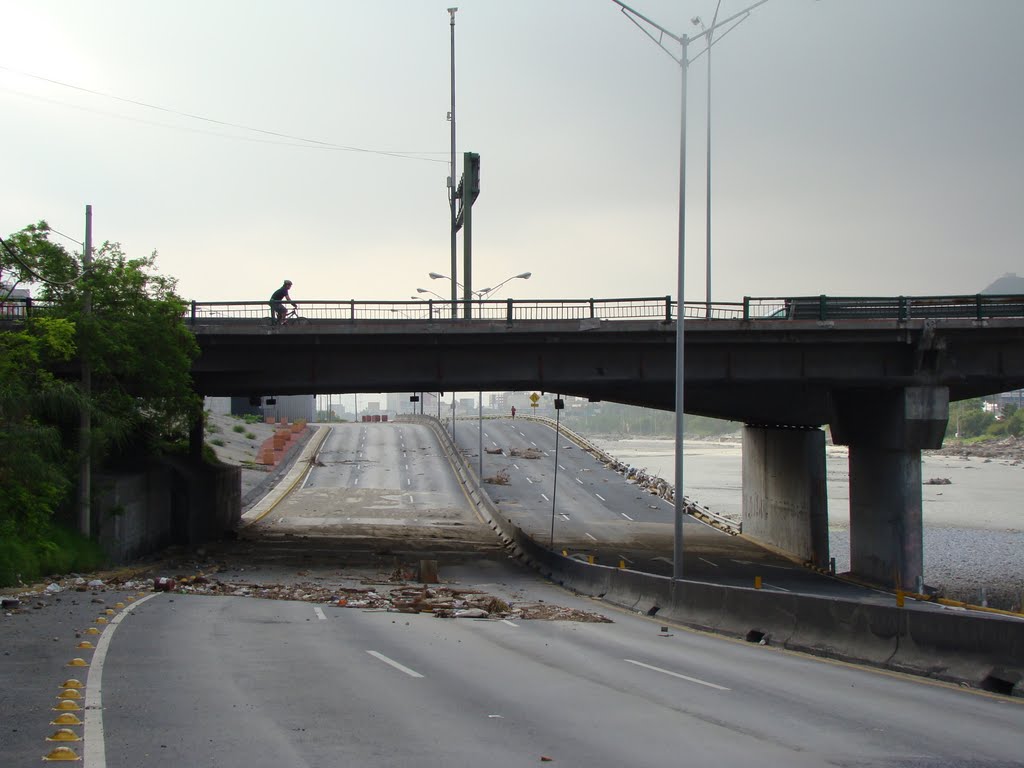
(506, 310)
(773, 308)
(824, 308)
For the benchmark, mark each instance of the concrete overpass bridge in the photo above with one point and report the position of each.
(880, 372)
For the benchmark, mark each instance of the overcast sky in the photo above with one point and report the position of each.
(860, 147)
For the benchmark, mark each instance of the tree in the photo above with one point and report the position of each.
(139, 351)
(133, 339)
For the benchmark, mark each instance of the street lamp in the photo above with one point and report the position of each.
(649, 28)
(486, 292)
(424, 290)
(698, 21)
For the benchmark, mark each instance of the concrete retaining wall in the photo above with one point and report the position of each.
(172, 502)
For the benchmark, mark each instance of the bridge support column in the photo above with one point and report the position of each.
(886, 432)
(784, 499)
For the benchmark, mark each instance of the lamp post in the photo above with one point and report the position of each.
(451, 177)
(487, 292)
(483, 293)
(707, 231)
(649, 28)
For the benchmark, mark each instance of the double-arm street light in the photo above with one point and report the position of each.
(483, 293)
(658, 34)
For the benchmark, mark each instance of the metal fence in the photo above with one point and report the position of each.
(757, 309)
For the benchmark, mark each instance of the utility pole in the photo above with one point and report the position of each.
(85, 420)
(451, 179)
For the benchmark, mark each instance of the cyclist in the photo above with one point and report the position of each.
(277, 300)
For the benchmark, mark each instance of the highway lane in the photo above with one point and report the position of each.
(601, 514)
(231, 681)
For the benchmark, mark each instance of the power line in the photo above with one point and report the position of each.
(307, 143)
(32, 272)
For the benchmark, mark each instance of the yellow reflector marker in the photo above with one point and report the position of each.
(92, 631)
(757, 582)
(120, 605)
(101, 620)
(87, 645)
(62, 753)
(70, 693)
(64, 734)
(72, 683)
(67, 705)
(109, 611)
(78, 663)
(68, 718)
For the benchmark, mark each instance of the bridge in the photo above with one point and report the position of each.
(879, 371)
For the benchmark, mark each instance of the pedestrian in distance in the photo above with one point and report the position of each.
(513, 411)
(277, 300)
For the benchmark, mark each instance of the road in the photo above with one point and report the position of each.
(600, 514)
(192, 679)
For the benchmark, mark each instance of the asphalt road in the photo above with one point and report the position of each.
(600, 514)
(196, 680)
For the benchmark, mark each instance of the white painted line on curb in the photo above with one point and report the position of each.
(506, 621)
(626, 516)
(95, 753)
(593, 537)
(395, 664)
(319, 613)
(599, 496)
(676, 674)
(704, 559)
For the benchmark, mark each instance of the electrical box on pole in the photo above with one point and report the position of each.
(470, 189)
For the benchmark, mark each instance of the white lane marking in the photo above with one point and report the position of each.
(410, 500)
(506, 621)
(515, 465)
(593, 537)
(529, 481)
(706, 561)
(561, 467)
(578, 480)
(406, 467)
(494, 444)
(548, 454)
(676, 674)
(356, 481)
(626, 516)
(395, 664)
(545, 497)
(564, 516)
(775, 586)
(319, 613)
(408, 481)
(533, 444)
(95, 753)
(522, 434)
(599, 496)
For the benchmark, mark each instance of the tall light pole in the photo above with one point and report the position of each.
(451, 177)
(486, 292)
(707, 231)
(658, 33)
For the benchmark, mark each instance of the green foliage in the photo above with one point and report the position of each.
(26, 557)
(218, 442)
(123, 319)
(250, 436)
(239, 428)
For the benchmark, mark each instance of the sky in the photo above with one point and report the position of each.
(859, 147)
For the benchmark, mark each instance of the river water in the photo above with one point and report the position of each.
(973, 527)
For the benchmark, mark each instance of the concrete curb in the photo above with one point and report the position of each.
(294, 475)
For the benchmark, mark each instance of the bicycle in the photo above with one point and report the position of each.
(291, 318)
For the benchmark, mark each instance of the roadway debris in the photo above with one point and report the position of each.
(525, 453)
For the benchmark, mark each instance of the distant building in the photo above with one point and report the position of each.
(12, 303)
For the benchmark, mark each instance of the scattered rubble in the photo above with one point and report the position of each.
(525, 453)
(938, 481)
(394, 594)
(501, 478)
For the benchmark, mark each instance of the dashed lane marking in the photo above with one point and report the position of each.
(395, 664)
(677, 674)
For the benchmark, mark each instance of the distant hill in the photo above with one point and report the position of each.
(1007, 284)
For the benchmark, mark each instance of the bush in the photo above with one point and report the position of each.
(55, 550)
(218, 442)
(239, 428)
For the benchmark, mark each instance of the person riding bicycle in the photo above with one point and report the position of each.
(277, 300)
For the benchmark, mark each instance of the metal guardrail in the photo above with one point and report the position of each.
(755, 309)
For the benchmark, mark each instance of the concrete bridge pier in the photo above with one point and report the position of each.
(886, 431)
(784, 500)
